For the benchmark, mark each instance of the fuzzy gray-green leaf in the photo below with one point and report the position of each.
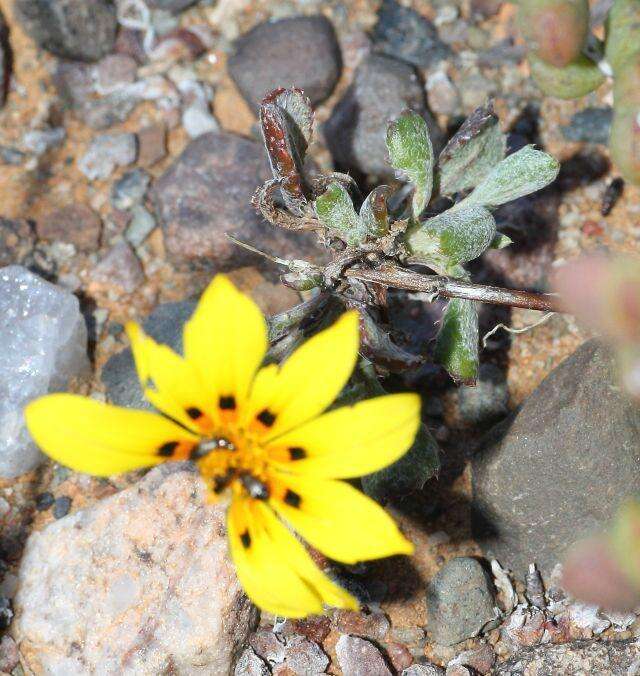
(408, 474)
(457, 341)
(335, 211)
(519, 174)
(452, 237)
(472, 152)
(411, 154)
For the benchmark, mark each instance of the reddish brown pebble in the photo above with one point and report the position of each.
(399, 656)
(152, 144)
(592, 229)
(76, 224)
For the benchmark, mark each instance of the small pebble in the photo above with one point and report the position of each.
(39, 141)
(105, 153)
(130, 189)
(141, 226)
(61, 506)
(44, 501)
(152, 144)
(120, 268)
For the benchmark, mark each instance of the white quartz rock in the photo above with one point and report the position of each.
(43, 345)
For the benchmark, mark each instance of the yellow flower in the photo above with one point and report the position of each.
(259, 434)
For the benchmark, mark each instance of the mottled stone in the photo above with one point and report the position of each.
(356, 131)
(404, 34)
(9, 655)
(563, 465)
(152, 144)
(106, 152)
(290, 653)
(591, 125)
(359, 657)
(460, 602)
(83, 30)
(299, 51)
(44, 347)
(423, 670)
(130, 189)
(574, 659)
(16, 240)
(206, 193)
(249, 664)
(38, 141)
(139, 583)
(77, 224)
(120, 268)
(114, 71)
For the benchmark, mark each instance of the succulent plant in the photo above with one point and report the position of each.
(568, 62)
(397, 226)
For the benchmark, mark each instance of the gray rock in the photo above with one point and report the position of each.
(206, 193)
(291, 653)
(38, 141)
(423, 670)
(299, 51)
(84, 30)
(574, 659)
(77, 84)
(120, 268)
(356, 131)
(141, 226)
(460, 601)
(44, 345)
(9, 654)
(130, 189)
(140, 583)
(106, 152)
(114, 71)
(488, 400)
(566, 461)
(174, 6)
(591, 125)
(359, 657)
(404, 34)
(249, 664)
(164, 325)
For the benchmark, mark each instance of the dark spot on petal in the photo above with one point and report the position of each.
(167, 450)
(266, 417)
(227, 403)
(292, 498)
(194, 413)
(297, 453)
(245, 538)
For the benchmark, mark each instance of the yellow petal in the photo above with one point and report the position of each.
(338, 520)
(308, 381)
(171, 383)
(351, 441)
(226, 341)
(96, 438)
(275, 570)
